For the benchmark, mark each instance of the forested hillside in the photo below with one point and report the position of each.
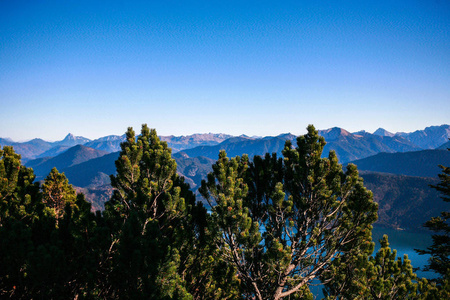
(404, 202)
(416, 163)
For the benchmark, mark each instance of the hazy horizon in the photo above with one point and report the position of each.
(256, 67)
(137, 130)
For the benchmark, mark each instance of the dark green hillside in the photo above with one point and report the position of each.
(417, 163)
(97, 195)
(194, 168)
(404, 201)
(72, 156)
(54, 151)
(444, 146)
(92, 177)
(94, 172)
(34, 163)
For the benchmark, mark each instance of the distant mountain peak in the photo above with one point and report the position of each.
(361, 133)
(334, 133)
(383, 132)
(287, 136)
(72, 140)
(429, 138)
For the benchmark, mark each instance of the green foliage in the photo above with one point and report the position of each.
(38, 258)
(439, 261)
(282, 222)
(158, 239)
(17, 191)
(57, 193)
(18, 198)
(383, 276)
(277, 225)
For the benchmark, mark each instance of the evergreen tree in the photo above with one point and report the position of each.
(39, 259)
(439, 261)
(283, 222)
(383, 276)
(57, 193)
(18, 193)
(158, 231)
(19, 200)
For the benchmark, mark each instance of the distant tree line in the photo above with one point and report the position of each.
(277, 226)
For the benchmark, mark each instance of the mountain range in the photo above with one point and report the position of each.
(351, 146)
(73, 156)
(348, 146)
(394, 166)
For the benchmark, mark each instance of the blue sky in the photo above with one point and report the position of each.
(93, 68)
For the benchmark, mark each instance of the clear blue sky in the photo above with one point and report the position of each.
(93, 68)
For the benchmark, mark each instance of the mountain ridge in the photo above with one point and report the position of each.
(348, 146)
(89, 169)
(423, 163)
(72, 156)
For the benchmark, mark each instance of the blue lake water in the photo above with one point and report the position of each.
(405, 242)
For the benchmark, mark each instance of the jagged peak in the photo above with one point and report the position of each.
(334, 133)
(286, 136)
(335, 130)
(72, 137)
(383, 132)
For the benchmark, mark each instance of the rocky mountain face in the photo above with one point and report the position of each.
(383, 132)
(430, 138)
(71, 140)
(110, 143)
(350, 146)
(178, 143)
(38, 148)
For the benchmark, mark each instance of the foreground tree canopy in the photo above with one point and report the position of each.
(284, 221)
(278, 225)
(439, 251)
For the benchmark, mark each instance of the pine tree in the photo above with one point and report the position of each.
(18, 193)
(57, 193)
(283, 222)
(383, 276)
(439, 261)
(37, 258)
(159, 241)
(19, 206)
